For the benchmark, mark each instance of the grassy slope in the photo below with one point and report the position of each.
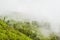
(9, 33)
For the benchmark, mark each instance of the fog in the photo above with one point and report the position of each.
(47, 10)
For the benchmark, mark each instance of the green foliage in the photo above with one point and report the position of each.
(9, 33)
(21, 30)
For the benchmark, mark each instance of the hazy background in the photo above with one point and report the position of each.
(47, 10)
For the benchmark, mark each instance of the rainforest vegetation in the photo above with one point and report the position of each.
(21, 30)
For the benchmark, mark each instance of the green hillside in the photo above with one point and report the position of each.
(9, 33)
(21, 30)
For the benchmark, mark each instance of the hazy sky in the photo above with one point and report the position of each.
(37, 9)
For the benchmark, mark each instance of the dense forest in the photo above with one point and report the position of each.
(22, 30)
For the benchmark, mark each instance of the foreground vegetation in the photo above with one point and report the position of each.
(21, 30)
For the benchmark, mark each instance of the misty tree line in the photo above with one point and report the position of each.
(22, 30)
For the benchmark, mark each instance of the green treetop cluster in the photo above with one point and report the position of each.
(21, 30)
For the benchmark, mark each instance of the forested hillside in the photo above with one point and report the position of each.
(21, 30)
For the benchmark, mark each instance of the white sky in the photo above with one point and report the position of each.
(39, 9)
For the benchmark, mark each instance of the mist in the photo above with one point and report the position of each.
(47, 10)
